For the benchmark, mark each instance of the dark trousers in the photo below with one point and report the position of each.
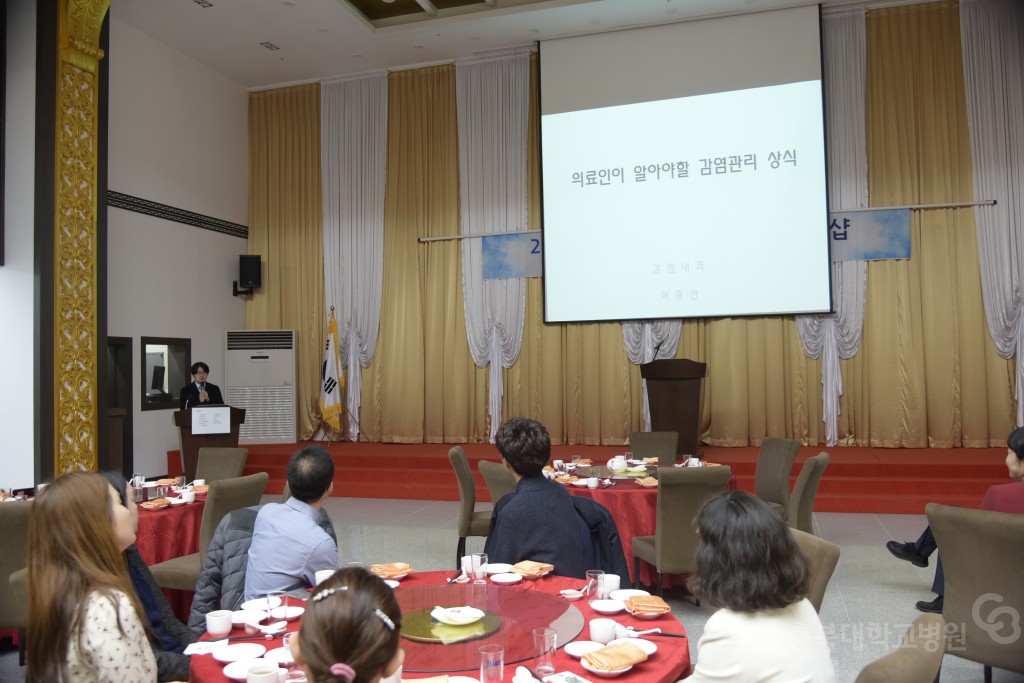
(925, 544)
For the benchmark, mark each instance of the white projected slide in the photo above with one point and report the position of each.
(708, 205)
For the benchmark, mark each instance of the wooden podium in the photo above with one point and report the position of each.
(674, 395)
(191, 443)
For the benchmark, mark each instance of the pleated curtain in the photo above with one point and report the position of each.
(646, 341)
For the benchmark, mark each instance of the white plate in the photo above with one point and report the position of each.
(498, 568)
(457, 616)
(284, 657)
(260, 604)
(391, 584)
(637, 470)
(289, 613)
(579, 482)
(647, 646)
(247, 616)
(645, 617)
(237, 671)
(604, 674)
(578, 648)
(399, 577)
(238, 651)
(607, 606)
(506, 578)
(627, 593)
(176, 501)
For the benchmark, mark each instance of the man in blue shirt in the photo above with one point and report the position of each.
(539, 521)
(288, 544)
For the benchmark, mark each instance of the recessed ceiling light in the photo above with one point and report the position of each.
(288, 4)
(269, 45)
(534, 30)
(358, 56)
(203, 3)
(418, 47)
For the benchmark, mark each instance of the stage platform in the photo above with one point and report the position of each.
(883, 480)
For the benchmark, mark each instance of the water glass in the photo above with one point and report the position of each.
(594, 582)
(545, 641)
(492, 664)
(138, 480)
(576, 460)
(479, 566)
(277, 606)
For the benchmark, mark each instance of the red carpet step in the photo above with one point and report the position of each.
(878, 480)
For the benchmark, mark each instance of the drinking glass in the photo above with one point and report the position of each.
(576, 460)
(492, 664)
(138, 480)
(545, 640)
(277, 606)
(479, 565)
(594, 581)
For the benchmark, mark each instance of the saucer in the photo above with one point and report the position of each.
(283, 656)
(607, 606)
(578, 648)
(604, 674)
(289, 613)
(498, 568)
(250, 616)
(239, 671)
(238, 651)
(506, 578)
(259, 604)
(627, 593)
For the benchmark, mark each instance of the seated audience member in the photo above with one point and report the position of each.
(998, 498)
(167, 635)
(350, 631)
(288, 544)
(749, 565)
(84, 621)
(539, 521)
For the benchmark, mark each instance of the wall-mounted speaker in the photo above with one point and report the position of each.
(249, 271)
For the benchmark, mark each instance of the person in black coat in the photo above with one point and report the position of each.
(168, 636)
(200, 392)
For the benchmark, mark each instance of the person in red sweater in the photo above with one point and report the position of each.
(999, 498)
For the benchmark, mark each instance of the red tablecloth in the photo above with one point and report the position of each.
(166, 534)
(635, 510)
(670, 663)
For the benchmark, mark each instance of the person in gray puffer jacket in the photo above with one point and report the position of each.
(221, 582)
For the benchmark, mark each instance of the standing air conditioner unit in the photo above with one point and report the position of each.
(260, 377)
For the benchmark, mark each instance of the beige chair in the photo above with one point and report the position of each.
(918, 658)
(223, 496)
(215, 464)
(499, 480)
(287, 493)
(681, 493)
(471, 521)
(660, 445)
(774, 467)
(982, 556)
(800, 509)
(13, 538)
(823, 556)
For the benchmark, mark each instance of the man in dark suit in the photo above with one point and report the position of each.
(200, 392)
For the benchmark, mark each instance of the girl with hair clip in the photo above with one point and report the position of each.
(749, 565)
(84, 620)
(350, 631)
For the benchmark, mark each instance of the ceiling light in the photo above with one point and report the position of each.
(269, 45)
(203, 3)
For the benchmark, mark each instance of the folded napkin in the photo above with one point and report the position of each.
(201, 489)
(155, 504)
(389, 569)
(166, 482)
(647, 604)
(647, 481)
(650, 461)
(585, 461)
(531, 568)
(203, 647)
(566, 478)
(615, 657)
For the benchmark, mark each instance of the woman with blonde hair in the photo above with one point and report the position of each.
(84, 621)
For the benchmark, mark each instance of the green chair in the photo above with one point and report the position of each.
(215, 464)
(918, 658)
(824, 557)
(499, 480)
(774, 467)
(660, 445)
(471, 521)
(223, 496)
(681, 494)
(800, 508)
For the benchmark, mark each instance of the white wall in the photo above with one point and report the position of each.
(178, 136)
(17, 275)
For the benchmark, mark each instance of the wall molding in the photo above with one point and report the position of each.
(120, 200)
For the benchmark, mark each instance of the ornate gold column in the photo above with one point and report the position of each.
(75, 236)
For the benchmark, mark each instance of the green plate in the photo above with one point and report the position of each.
(420, 627)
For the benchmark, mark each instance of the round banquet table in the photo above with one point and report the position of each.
(521, 607)
(168, 533)
(635, 511)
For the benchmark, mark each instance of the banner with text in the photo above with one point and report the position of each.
(870, 235)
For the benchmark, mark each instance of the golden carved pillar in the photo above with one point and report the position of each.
(75, 362)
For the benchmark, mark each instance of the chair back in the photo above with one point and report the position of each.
(13, 539)
(499, 480)
(221, 463)
(982, 556)
(286, 493)
(467, 489)
(660, 445)
(774, 466)
(823, 556)
(918, 658)
(224, 496)
(801, 505)
(682, 492)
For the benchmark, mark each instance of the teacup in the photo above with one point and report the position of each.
(592, 482)
(218, 623)
(265, 672)
(602, 630)
(199, 482)
(188, 496)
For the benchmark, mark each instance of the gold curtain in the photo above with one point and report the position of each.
(286, 229)
(927, 373)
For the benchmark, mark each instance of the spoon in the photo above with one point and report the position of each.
(621, 632)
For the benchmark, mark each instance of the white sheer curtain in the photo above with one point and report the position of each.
(648, 340)
(838, 335)
(353, 147)
(992, 35)
(492, 100)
